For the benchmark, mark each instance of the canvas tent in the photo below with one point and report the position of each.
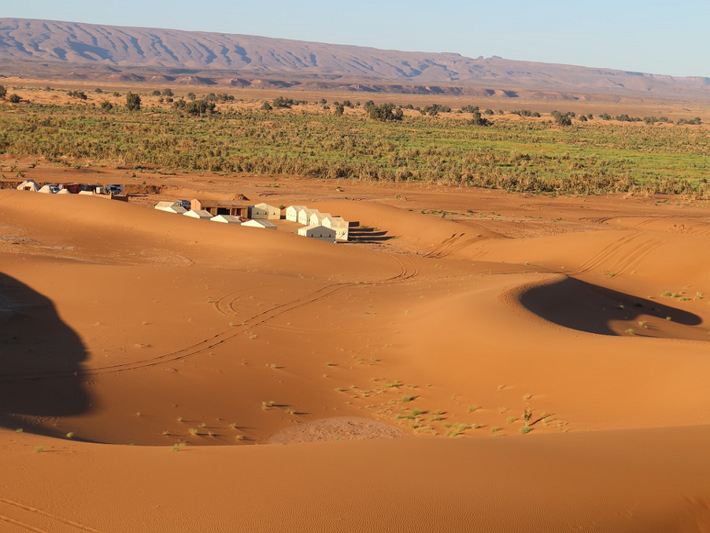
(317, 218)
(226, 219)
(28, 185)
(340, 226)
(317, 232)
(47, 189)
(261, 224)
(171, 207)
(304, 216)
(258, 213)
(292, 212)
(272, 212)
(205, 215)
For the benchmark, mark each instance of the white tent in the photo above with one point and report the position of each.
(304, 216)
(46, 189)
(317, 232)
(28, 185)
(200, 213)
(226, 219)
(272, 212)
(261, 224)
(340, 226)
(292, 212)
(171, 207)
(64, 191)
(87, 193)
(257, 213)
(317, 218)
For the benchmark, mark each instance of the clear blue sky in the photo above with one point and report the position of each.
(663, 37)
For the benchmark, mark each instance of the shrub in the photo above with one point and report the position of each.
(133, 102)
(14, 98)
(562, 119)
(3, 91)
(385, 112)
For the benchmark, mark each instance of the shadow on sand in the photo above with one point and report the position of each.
(586, 307)
(40, 361)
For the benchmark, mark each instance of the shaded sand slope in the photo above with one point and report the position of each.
(623, 481)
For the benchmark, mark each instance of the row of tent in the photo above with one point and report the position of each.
(314, 219)
(317, 225)
(177, 208)
(68, 188)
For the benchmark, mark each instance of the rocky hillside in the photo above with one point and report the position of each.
(51, 48)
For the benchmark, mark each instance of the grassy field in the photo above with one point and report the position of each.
(532, 154)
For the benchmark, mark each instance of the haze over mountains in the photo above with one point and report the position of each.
(51, 49)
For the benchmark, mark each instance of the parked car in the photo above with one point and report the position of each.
(54, 189)
(114, 188)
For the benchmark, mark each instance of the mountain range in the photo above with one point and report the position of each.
(51, 49)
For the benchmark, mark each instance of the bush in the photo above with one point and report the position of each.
(168, 92)
(478, 120)
(81, 95)
(283, 102)
(106, 106)
(133, 102)
(385, 112)
(14, 99)
(470, 109)
(200, 107)
(435, 109)
(3, 91)
(562, 119)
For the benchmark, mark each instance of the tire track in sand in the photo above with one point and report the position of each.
(407, 271)
(33, 519)
(619, 255)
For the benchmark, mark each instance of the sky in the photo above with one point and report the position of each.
(660, 37)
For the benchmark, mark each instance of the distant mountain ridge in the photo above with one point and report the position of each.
(28, 47)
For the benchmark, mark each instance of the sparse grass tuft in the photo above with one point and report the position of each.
(525, 430)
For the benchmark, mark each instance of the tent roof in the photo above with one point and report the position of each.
(200, 213)
(259, 224)
(226, 219)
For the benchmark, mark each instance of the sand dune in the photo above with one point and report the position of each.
(124, 325)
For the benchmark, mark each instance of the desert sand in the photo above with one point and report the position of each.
(171, 374)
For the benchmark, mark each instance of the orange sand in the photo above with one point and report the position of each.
(125, 325)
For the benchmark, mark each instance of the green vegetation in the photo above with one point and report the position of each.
(81, 95)
(133, 102)
(380, 144)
